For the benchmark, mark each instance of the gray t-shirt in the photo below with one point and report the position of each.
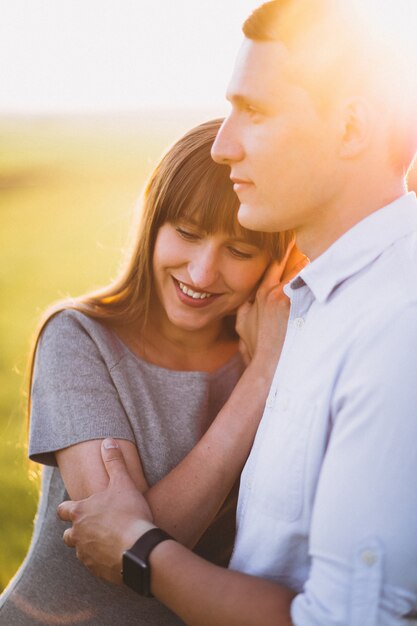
(89, 385)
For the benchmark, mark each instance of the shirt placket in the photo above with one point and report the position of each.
(301, 299)
(281, 389)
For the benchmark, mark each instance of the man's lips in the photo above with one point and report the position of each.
(240, 183)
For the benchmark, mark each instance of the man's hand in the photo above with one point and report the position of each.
(262, 324)
(108, 522)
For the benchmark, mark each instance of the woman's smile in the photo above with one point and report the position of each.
(192, 297)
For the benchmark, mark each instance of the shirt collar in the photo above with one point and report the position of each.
(359, 246)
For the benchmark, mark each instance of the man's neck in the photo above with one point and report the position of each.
(315, 238)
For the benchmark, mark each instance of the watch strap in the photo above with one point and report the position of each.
(136, 569)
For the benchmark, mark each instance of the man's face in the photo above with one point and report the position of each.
(281, 151)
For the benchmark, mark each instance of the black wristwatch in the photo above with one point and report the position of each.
(136, 570)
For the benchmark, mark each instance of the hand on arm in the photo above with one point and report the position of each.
(202, 594)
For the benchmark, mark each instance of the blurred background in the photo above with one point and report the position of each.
(91, 93)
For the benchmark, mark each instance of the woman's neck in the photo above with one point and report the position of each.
(163, 343)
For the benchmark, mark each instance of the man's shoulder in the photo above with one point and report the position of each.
(404, 253)
(389, 283)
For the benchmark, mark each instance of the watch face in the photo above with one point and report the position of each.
(136, 573)
(136, 568)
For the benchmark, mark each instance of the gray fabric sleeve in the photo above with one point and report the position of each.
(73, 395)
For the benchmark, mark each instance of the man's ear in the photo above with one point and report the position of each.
(356, 120)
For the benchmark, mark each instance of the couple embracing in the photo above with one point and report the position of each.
(143, 409)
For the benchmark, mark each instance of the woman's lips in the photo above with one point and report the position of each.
(190, 297)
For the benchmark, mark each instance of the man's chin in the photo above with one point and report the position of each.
(253, 218)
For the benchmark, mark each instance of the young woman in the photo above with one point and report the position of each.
(150, 360)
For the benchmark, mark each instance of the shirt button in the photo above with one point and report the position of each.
(299, 322)
(368, 558)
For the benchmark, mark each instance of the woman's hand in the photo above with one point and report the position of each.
(262, 323)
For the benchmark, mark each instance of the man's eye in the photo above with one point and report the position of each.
(239, 253)
(186, 234)
(251, 110)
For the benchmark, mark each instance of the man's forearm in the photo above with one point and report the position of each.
(203, 594)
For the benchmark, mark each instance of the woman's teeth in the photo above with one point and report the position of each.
(197, 295)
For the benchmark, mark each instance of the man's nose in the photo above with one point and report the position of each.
(227, 148)
(204, 268)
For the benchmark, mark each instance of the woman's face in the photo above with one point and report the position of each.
(201, 278)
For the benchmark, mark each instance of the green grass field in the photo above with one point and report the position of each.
(68, 191)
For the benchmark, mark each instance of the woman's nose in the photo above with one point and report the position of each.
(227, 148)
(204, 268)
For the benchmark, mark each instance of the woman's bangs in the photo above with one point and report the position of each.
(212, 207)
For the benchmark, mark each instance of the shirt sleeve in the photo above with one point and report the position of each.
(73, 398)
(363, 541)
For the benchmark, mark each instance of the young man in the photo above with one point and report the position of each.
(320, 136)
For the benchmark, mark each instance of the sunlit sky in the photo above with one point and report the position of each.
(112, 55)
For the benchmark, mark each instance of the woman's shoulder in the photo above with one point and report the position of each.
(71, 331)
(75, 351)
(66, 325)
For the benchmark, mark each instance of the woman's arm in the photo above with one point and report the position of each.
(83, 471)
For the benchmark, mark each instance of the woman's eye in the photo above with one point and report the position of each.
(186, 234)
(239, 253)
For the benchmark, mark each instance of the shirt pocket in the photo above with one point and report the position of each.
(279, 480)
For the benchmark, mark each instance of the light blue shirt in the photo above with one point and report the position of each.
(328, 497)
